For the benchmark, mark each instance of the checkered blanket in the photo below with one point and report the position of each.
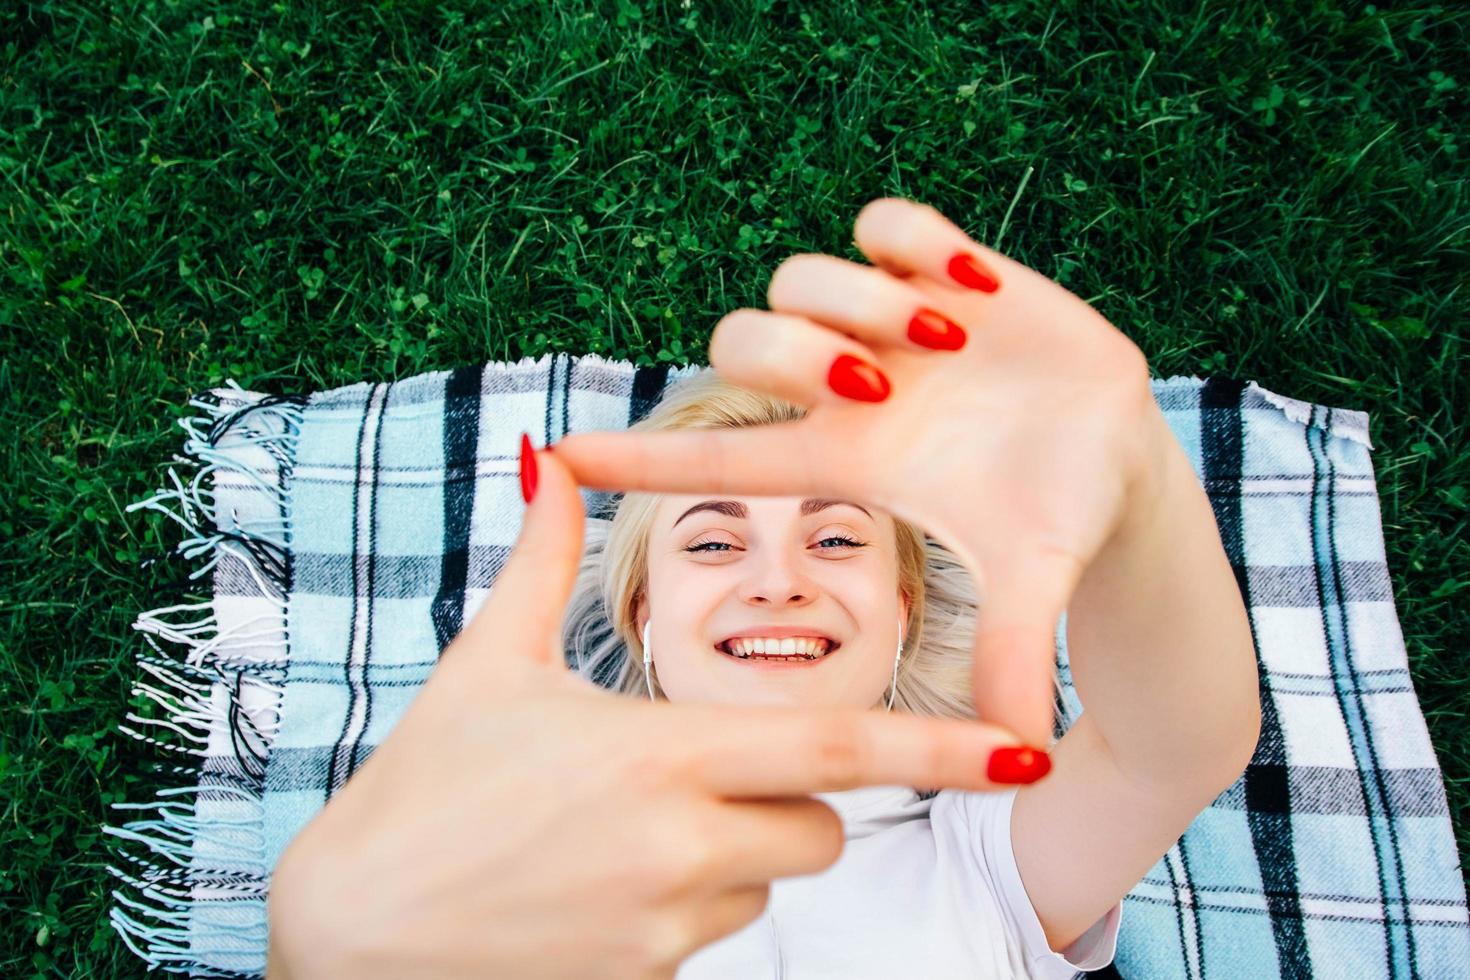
(347, 535)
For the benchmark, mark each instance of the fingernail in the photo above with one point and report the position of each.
(935, 330)
(1018, 764)
(855, 378)
(964, 270)
(528, 468)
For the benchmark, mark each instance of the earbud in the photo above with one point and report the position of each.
(893, 691)
(647, 658)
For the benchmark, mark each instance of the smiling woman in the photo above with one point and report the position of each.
(789, 581)
(813, 601)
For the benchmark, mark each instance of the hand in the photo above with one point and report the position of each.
(520, 821)
(1023, 452)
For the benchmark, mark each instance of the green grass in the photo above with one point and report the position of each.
(297, 199)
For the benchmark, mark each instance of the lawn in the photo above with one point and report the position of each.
(298, 196)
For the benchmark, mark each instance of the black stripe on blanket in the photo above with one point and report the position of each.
(1337, 637)
(648, 391)
(550, 396)
(462, 393)
(1267, 791)
(345, 751)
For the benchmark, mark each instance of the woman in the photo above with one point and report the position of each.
(833, 604)
(1032, 448)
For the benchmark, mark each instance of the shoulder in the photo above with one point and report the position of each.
(983, 820)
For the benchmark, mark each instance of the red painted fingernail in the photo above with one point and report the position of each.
(856, 378)
(528, 468)
(967, 272)
(1018, 764)
(935, 330)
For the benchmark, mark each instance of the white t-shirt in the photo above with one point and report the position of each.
(924, 888)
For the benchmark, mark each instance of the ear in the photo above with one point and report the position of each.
(640, 614)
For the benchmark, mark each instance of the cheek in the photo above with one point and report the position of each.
(686, 599)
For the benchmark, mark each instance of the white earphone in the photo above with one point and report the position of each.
(648, 660)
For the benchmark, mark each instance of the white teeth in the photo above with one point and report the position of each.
(786, 646)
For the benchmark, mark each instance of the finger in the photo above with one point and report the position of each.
(861, 301)
(896, 233)
(789, 752)
(1026, 590)
(793, 460)
(793, 358)
(722, 915)
(754, 841)
(521, 618)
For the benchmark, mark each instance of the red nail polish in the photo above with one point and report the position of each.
(964, 270)
(528, 468)
(935, 330)
(1018, 764)
(855, 378)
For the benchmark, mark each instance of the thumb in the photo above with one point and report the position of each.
(1015, 640)
(522, 616)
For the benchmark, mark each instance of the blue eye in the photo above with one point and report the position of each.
(846, 543)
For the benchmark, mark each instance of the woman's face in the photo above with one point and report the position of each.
(763, 563)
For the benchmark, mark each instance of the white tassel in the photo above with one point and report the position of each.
(203, 672)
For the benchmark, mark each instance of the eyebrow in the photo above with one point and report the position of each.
(734, 508)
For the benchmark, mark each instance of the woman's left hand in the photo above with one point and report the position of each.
(1024, 451)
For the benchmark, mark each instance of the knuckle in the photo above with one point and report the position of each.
(698, 858)
(649, 875)
(840, 752)
(715, 461)
(652, 768)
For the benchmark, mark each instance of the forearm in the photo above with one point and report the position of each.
(1160, 642)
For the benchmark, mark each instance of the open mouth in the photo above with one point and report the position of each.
(798, 657)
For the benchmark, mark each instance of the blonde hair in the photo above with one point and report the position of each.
(600, 630)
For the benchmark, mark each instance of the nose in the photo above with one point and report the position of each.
(777, 579)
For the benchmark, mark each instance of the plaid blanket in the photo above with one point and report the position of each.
(348, 534)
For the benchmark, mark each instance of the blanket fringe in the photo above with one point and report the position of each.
(217, 679)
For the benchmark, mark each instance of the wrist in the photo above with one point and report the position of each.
(1162, 474)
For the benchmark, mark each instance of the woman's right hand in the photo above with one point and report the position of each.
(520, 821)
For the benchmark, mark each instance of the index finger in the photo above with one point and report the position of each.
(733, 751)
(792, 460)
